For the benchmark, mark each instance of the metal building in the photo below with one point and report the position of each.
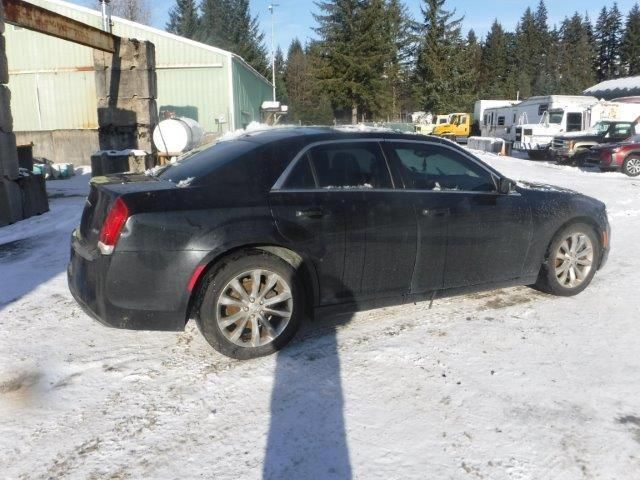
(53, 85)
(616, 88)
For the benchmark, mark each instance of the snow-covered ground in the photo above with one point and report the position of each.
(509, 384)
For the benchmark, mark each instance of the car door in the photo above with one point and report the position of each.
(487, 233)
(431, 211)
(337, 200)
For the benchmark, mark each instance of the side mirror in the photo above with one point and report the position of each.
(506, 186)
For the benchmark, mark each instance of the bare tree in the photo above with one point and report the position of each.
(134, 10)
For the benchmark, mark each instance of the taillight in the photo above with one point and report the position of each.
(112, 226)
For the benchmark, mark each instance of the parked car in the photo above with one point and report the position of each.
(574, 147)
(249, 236)
(623, 156)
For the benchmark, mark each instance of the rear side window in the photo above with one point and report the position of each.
(199, 163)
(350, 165)
(433, 167)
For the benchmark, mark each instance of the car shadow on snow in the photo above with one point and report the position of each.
(307, 434)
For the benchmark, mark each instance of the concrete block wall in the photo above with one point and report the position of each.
(10, 196)
(127, 90)
(20, 197)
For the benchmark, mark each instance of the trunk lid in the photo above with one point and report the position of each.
(103, 192)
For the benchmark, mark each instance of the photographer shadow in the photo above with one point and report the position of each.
(307, 432)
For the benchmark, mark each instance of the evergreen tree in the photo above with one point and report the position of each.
(533, 45)
(354, 46)
(183, 19)
(575, 72)
(307, 103)
(631, 43)
(281, 88)
(527, 50)
(214, 23)
(495, 63)
(608, 43)
(442, 76)
(474, 54)
(228, 24)
(397, 71)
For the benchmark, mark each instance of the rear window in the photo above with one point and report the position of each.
(199, 163)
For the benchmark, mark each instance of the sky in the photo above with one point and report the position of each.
(294, 18)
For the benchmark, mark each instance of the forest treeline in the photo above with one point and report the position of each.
(371, 60)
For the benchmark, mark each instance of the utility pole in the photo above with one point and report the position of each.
(273, 51)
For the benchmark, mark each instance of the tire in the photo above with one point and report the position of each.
(556, 275)
(631, 166)
(257, 330)
(537, 155)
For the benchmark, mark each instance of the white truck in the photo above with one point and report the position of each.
(531, 124)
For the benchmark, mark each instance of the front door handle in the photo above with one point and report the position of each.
(436, 212)
(311, 213)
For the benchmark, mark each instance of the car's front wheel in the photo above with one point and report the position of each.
(251, 306)
(631, 166)
(572, 261)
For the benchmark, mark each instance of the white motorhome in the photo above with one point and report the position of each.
(532, 124)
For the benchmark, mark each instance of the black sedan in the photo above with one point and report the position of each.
(248, 236)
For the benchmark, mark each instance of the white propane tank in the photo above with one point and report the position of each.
(177, 135)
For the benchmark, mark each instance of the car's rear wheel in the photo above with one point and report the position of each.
(251, 306)
(631, 166)
(572, 261)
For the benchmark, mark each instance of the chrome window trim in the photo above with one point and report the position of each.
(387, 190)
(287, 171)
(302, 153)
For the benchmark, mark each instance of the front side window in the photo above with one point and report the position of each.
(438, 168)
(341, 165)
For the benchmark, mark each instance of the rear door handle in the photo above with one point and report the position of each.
(436, 212)
(311, 213)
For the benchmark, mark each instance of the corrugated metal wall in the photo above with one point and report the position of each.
(250, 91)
(53, 84)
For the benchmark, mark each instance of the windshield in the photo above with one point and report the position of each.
(200, 162)
(601, 127)
(555, 116)
(634, 139)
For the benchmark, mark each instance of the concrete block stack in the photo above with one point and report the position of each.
(21, 195)
(10, 194)
(127, 90)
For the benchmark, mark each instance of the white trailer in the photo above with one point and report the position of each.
(479, 109)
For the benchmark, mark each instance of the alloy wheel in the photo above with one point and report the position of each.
(574, 260)
(633, 166)
(254, 308)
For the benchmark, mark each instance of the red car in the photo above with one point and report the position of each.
(623, 156)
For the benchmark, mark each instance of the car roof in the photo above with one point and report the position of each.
(316, 134)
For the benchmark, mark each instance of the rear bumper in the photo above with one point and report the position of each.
(88, 276)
